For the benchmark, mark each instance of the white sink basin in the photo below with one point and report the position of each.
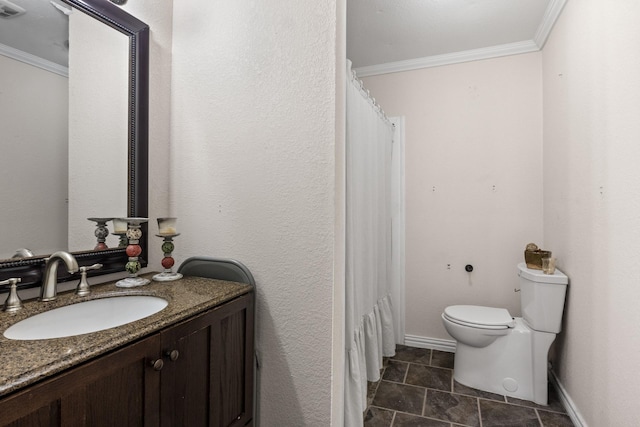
(86, 317)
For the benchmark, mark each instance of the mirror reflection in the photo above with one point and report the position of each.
(65, 139)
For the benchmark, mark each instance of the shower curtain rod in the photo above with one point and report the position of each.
(365, 93)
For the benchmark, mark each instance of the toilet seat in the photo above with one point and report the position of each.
(480, 317)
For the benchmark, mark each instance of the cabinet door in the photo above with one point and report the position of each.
(186, 377)
(210, 380)
(118, 389)
(232, 364)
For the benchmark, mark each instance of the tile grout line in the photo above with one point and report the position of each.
(406, 373)
(424, 402)
(525, 405)
(538, 415)
(393, 418)
(427, 417)
(479, 412)
(542, 409)
(375, 389)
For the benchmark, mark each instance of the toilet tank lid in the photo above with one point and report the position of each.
(479, 315)
(538, 276)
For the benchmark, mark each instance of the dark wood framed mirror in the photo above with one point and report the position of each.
(30, 269)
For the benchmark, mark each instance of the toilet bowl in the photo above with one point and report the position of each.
(498, 353)
(475, 325)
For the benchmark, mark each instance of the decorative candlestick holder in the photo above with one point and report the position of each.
(120, 229)
(101, 232)
(134, 233)
(167, 230)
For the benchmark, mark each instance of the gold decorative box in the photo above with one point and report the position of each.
(534, 258)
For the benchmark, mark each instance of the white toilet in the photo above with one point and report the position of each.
(501, 354)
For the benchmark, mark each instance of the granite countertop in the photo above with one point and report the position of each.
(25, 362)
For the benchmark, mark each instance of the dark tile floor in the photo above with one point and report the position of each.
(417, 390)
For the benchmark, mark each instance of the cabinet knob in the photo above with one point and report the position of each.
(172, 355)
(157, 364)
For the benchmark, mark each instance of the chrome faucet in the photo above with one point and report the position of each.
(49, 289)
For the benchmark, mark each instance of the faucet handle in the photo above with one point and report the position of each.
(13, 302)
(22, 253)
(83, 286)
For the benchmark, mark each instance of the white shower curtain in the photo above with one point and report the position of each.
(369, 332)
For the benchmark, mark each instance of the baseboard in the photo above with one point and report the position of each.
(569, 405)
(432, 343)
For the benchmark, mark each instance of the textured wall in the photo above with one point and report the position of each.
(253, 161)
(473, 181)
(592, 202)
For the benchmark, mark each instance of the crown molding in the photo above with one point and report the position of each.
(36, 61)
(551, 15)
(449, 58)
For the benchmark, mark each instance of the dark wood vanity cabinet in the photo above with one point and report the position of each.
(207, 377)
(196, 373)
(120, 388)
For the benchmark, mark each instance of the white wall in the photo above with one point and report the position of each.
(473, 181)
(98, 128)
(159, 16)
(254, 154)
(592, 202)
(33, 103)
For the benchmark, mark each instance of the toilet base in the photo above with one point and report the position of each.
(513, 365)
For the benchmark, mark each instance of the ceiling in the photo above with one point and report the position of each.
(385, 36)
(40, 33)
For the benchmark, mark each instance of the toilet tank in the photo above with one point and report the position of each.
(542, 298)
